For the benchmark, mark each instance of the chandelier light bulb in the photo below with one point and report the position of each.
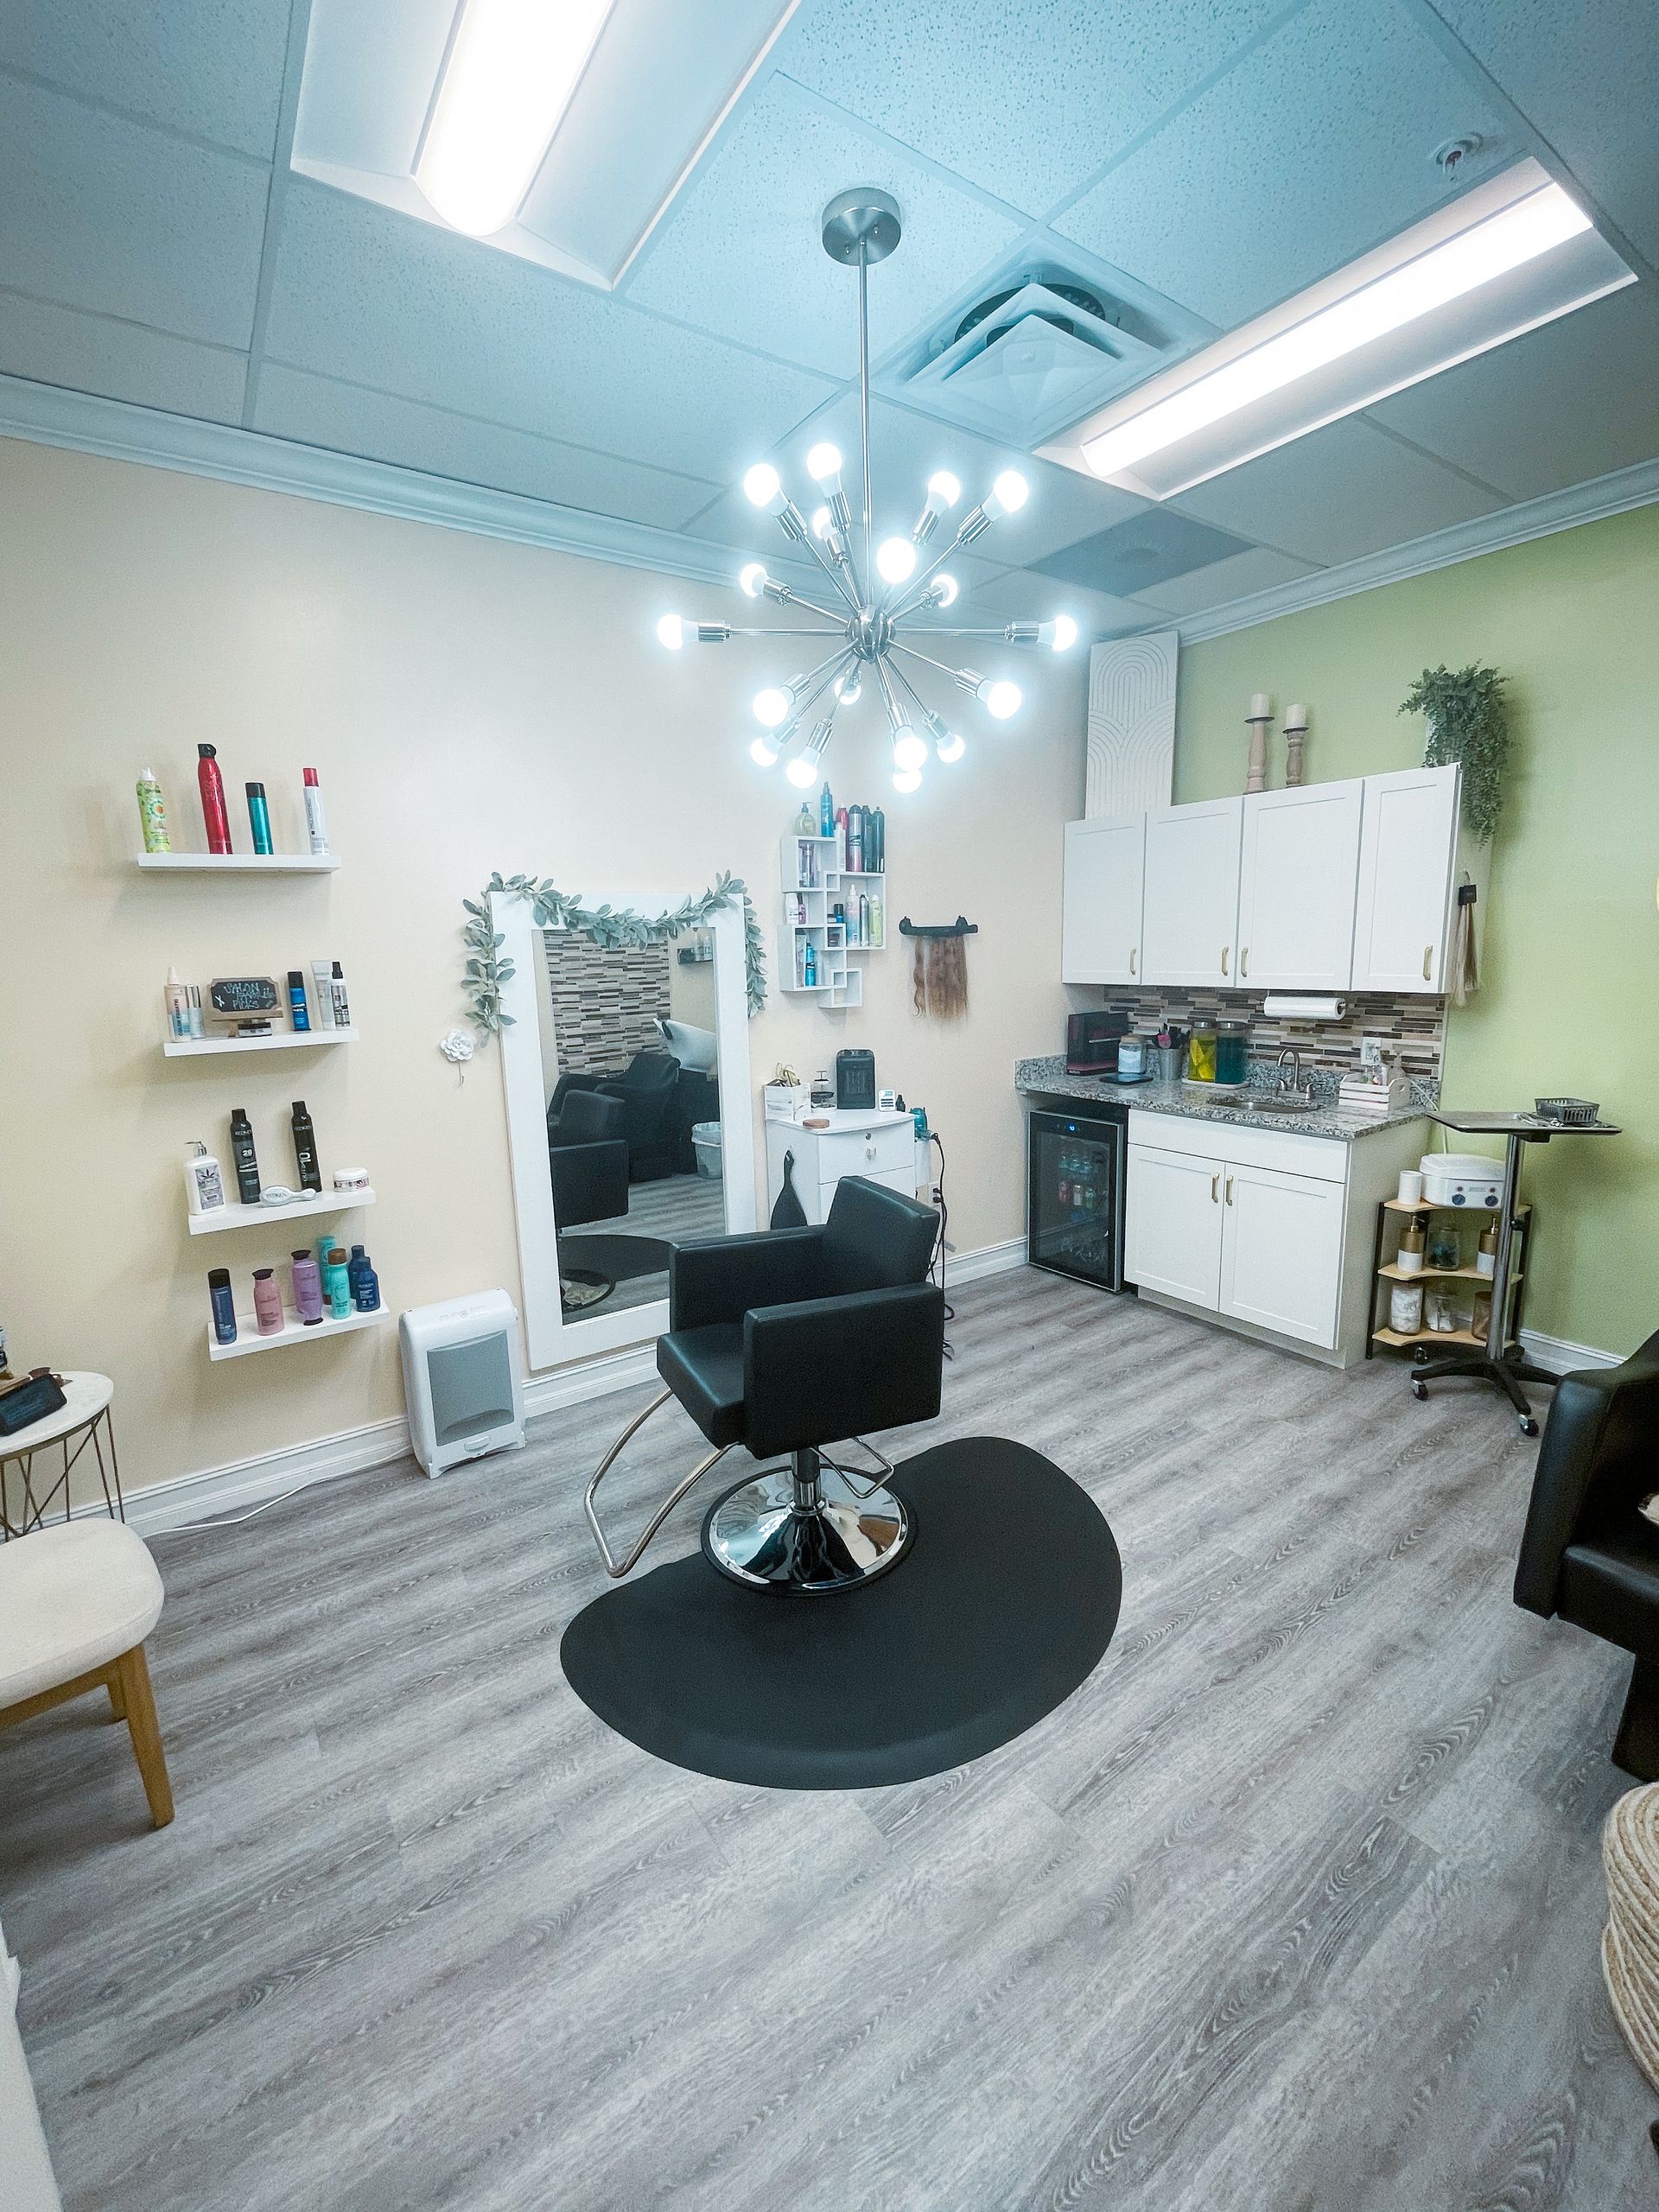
(753, 578)
(761, 489)
(906, 779)
(944, 589)
(824, 464)
(896, 559)
(1007, 495)
(823, 523)
(802, 771)
(670, 631)
(949, 745)
(764, 753)
(999, 696)
(849, 689)
(1060, 635)
(908, 750)
(943, 488)
(772, 704)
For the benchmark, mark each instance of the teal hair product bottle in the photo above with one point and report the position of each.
(259, 818)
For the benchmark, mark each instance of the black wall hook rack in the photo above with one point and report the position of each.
(961, 927)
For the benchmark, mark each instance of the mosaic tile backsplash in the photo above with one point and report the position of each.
(1415, 1028)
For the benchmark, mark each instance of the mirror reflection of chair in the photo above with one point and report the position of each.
(646, 1089)
(588, 1156)
(784, 1342)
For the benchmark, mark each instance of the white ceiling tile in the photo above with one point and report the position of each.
(1586, 76)
(1026, 100)
(346, 419)
(1314, 148)
(114, 217)
(741, 255)
(375, 298)
(1019, 597)
(119, 360)
(1574, 400)
(906, 449)
(1222, 582)
(1342, 492)
(213, 67)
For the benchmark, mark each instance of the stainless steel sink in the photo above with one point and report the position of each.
(1283, 1102)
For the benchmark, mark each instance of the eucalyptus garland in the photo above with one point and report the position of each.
(614, 927)
(1466, 723)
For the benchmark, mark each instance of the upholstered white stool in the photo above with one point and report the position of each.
(77, 1601)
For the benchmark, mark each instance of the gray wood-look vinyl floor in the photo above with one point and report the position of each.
(1293, 1907)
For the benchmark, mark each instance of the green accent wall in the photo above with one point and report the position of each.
(1569, 1000)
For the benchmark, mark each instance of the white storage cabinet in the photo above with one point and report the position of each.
(1100, 924)
(881, 1146)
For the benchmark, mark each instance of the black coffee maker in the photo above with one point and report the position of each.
(855, 1078)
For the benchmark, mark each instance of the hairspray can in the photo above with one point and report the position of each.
(242, 1156)
(305, 1148)
(211, 785)
(316, 823)
(259, 818)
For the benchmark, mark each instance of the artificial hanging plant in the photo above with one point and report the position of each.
(1467, 722)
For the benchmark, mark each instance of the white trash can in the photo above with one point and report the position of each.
(705, 1142)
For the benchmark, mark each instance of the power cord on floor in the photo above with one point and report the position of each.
(934, 1138)
(235, 1520)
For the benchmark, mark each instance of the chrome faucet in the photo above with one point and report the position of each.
(1295, 1083)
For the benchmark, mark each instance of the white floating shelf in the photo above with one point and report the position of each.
(207, 1225)
(293, 1332)
(282, 1041)
(241, 863)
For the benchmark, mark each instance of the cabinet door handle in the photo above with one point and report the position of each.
(1428, 954)
(1229, 1189)
(1244, 960)
(1132, 950)
(1225, 950)
(1215, 1186)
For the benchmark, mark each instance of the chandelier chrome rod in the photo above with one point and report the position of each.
(792, 598)
(864, 406)
(827, 565)
(923, 708)
(944, 667)
(835, 666)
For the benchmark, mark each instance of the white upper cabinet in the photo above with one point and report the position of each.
(1189, 932)
(1297, 879)
(1100, 926)
(1408, 851)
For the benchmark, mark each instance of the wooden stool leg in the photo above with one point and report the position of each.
(117, 1701)
(134, 1677)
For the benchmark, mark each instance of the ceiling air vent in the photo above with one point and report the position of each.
(1034, 354)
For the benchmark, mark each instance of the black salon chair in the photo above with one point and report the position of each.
(587, 1154)
(1587, 1552)
(786, 1341)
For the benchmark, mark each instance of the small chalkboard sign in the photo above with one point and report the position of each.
(245, 1002)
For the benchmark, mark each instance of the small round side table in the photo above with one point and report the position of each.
(83, 1420)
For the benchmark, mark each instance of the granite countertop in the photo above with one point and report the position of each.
(1321, 1120)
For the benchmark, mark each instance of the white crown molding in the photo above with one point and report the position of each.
(54, 416)
(1465, 541)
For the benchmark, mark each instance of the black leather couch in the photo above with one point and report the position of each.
(1588, 1553)
(588, 1156)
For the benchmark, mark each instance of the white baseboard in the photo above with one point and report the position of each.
(990, 1259)
(183, 1500)
(1560, 1355)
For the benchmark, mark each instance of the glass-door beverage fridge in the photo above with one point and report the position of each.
(1074, 1209)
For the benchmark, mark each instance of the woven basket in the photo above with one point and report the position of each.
(1629, 1943)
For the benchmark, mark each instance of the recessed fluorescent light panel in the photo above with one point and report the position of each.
(1510, 255)
(506, 83)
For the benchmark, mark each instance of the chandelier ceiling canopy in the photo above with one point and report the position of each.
(888, 593)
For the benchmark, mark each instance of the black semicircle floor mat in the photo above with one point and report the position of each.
(1004, 1604)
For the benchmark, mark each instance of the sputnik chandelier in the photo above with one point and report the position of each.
(883, 594)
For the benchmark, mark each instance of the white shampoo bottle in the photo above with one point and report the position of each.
(204, 1182)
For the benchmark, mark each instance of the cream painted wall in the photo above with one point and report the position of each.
(470, 705)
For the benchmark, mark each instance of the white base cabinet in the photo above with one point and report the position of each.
(1269, 1232)
(879, 1145)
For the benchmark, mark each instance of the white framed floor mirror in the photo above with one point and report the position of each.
(629, 1116)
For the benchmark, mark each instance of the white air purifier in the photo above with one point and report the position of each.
(463, 1381)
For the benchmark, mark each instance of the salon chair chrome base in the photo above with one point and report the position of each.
(808, 1528)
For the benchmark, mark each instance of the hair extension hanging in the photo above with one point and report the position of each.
(939, 972)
